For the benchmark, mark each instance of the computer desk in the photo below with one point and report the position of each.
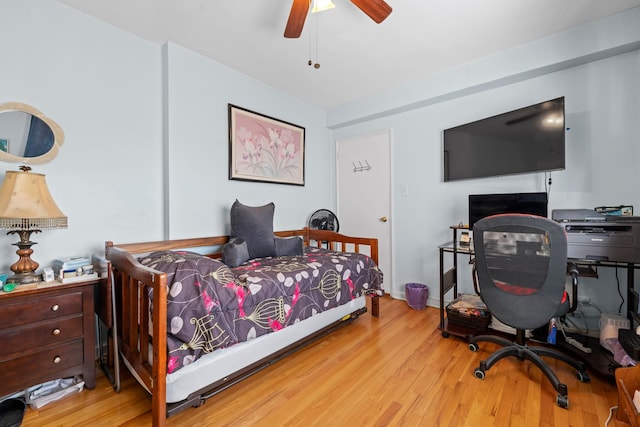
(599, 359)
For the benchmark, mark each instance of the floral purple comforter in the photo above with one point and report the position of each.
(212, 306)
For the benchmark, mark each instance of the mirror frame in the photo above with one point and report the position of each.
(58, 135)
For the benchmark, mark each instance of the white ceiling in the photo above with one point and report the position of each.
(357, 57)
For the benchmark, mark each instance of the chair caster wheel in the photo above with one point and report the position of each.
(445, 334)
(479, 373)
(473, 347)
(562, 401)
(583, 377)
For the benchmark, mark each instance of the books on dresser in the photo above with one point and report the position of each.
(74, 269)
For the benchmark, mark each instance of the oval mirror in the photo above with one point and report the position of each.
(27, 135)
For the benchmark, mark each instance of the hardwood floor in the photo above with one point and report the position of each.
(396, 370)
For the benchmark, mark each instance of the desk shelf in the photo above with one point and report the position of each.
(449, 282)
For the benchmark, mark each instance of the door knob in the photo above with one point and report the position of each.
(384, 219)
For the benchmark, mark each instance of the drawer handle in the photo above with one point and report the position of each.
(55, 307)
(57, 359)
(56, 331)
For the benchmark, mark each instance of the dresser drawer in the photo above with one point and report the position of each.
(46, 333)
(44, 365)
(41, 334)
(26, 310)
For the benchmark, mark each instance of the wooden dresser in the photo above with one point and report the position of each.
(628, 381)
(47, 331)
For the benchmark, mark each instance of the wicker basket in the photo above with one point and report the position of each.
(477, 318)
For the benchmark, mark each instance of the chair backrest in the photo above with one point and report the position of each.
(521, 264)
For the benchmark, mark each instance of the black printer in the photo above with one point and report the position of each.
(594, 236)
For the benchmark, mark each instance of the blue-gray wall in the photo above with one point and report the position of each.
(146, 156)
(596, 67)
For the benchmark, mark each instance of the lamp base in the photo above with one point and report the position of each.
(25, 278)
(25, 269)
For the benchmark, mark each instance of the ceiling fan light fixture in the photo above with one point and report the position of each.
(322, 5)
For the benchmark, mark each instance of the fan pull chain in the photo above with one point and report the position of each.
(315, 64)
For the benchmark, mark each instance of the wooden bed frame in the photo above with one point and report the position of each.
(131, 282)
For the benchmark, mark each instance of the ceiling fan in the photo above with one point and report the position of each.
(378, 10)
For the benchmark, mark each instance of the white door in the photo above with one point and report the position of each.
(364, 192)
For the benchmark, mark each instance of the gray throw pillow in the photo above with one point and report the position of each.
(289, 246)
(235, 252)
(254, 224)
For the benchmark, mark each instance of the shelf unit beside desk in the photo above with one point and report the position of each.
(449, 280)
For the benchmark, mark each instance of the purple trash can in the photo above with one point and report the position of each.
(416, 295)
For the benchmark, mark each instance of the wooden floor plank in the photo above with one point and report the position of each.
(396, 370)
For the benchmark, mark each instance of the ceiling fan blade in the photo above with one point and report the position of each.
(297, 16)
(378, 10)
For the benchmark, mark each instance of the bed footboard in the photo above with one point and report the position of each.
(134, 282)
(342, 243)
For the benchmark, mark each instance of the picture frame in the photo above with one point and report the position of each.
(4, 145)
(265, 149)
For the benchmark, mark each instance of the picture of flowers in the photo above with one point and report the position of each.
(262, 148)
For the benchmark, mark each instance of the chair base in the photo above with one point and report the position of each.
(522, 351)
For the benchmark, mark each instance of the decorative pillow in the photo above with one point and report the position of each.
(255, 226)
(235, 252)
(288, 246)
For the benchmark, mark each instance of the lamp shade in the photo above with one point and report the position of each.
(26, 204)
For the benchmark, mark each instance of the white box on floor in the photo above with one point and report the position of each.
(609, 325)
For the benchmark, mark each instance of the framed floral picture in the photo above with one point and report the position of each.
(262, 148)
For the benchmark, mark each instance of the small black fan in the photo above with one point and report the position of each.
(324, 219)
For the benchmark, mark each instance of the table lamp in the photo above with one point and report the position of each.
(26, 207)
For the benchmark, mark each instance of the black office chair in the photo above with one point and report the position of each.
(521, 265)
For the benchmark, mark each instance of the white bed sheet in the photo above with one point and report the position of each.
(223, 362)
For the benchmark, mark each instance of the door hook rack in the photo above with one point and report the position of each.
(360, 167)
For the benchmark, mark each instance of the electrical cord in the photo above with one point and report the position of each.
(586, 304)
(571, 318)
(571, 323)
(619, 292)
(611, 410)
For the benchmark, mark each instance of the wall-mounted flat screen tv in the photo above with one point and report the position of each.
(530, 139)
(483, 205)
